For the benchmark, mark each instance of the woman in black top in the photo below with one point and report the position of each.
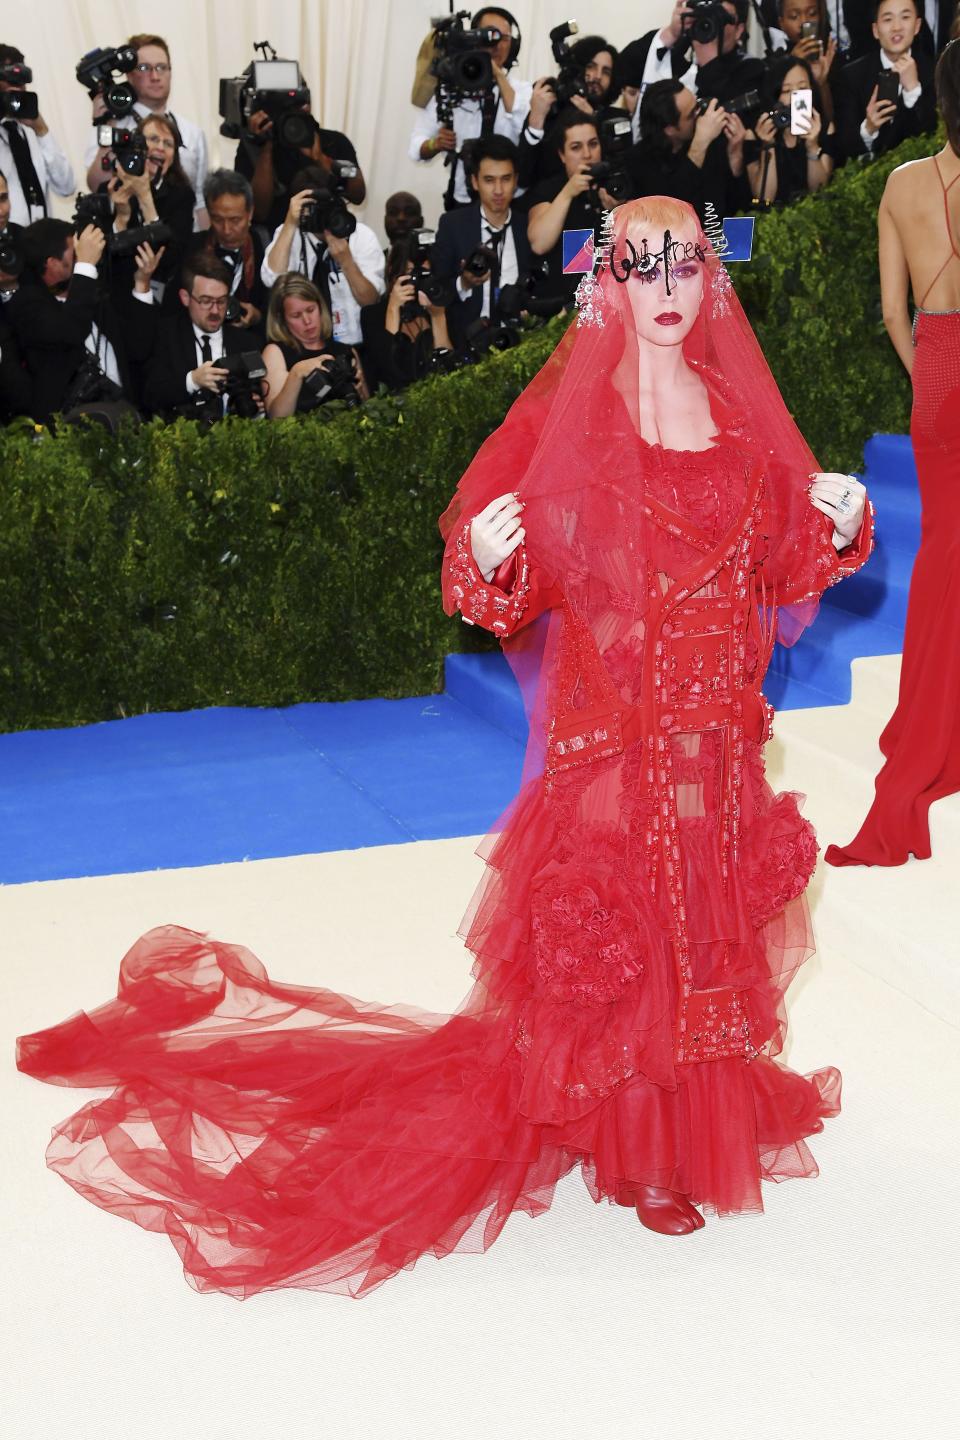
(300, 333)
(403, 331)
(162, 192)
(783, 166)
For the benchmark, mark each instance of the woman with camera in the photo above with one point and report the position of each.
(404, 334)
(162, 193)
(783, 165)
(302, 352)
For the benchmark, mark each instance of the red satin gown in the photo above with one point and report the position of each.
(921, 742)
(641, 918)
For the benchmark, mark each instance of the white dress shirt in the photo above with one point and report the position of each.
(509, 266)
(53, 169)
(194, 153)
(216, 352)
(909, 98)
(344, 309)
(468, 124)
(655, 69)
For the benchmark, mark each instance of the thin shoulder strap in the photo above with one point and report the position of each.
(954, 252)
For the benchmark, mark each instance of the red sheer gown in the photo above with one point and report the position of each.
(638, 924)
(921, 742)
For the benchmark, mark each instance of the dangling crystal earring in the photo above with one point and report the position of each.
(722, 288)
(589, 296)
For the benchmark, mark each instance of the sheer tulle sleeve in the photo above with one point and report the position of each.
(519, 591)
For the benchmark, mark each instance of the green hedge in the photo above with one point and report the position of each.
(263, 564)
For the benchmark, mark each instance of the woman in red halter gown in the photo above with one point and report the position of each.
(642, 911)
(919, 222)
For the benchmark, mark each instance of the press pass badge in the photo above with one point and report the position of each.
(577, 252)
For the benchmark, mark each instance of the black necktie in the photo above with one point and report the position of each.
(488, 111)
(23, 160)
(206, 353)
(495, 240)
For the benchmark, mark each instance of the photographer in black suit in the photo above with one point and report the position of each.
(869, 122)
(724, 70)
(571, 200)
(78, 343)
(237, 243)
(692, 154)
(489, 233)
(185, 366)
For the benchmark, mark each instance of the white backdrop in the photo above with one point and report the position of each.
(358, 57)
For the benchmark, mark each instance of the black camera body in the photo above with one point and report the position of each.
(93, 210)
(19, 105)
(438, 291)
(11, 256)
(334, 382)
(124, 244)
(616, 138)
(570, 79)
(276, 87)
(704, 21)
(245, 372)
(128, 146)
(97, 72)
(463, 65)
(327, 209)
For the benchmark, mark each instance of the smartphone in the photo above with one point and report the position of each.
(888, 86)
(801, 112)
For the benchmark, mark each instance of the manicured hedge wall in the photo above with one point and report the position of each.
(262, 564)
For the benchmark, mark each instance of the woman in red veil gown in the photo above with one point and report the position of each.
(641, 915)
(919, 222)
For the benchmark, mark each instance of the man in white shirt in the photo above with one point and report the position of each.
(151, 81)
(866, 121)
(492, 223)
(348, 271)
(30, 158)
(658, 55)
(500, 111)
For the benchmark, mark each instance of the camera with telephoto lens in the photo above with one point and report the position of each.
(703, 21)
(332, 382)
(97, 72)
(276, 87)
(327, 209)
(521, 297)
(463, 65)
(93, 210)
(749, 103)
(11, 256)
(124, 244)
(18, 104)
(128, 146)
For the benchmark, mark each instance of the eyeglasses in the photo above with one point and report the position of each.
(210, 302)
(161, 69)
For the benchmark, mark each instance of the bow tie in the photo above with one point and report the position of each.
(661, 51)
(229, 257)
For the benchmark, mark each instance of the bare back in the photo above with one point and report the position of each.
(920, 229)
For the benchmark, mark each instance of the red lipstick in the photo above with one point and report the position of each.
(668, 317)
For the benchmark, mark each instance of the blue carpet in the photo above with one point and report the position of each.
(209, 786)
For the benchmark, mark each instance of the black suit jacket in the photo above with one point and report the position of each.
(52, 333)
(458, 234)
(257, 294)
(175, 355)
(16, 390)
(854, 88)
(633, 58)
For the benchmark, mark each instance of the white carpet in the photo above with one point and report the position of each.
(832, 1315)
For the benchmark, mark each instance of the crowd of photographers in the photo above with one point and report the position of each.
(255, 290)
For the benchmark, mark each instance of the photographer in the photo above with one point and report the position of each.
(500, 110)
(347, 268)
(402, 213)
(16, 392)
(724, 71)
(78, 343)
(151, 81)
(870, 121)
(689, 151)
(186, 362)
(404, 332)
(305, 365)
(782, 165)
(271, 163)
(30, 158)
(488, 234)
(233, 239)
(658, 55)
(570, 201)
(803, 29)
(591, 63)
(162, 193)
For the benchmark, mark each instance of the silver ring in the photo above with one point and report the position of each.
(843, 504)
